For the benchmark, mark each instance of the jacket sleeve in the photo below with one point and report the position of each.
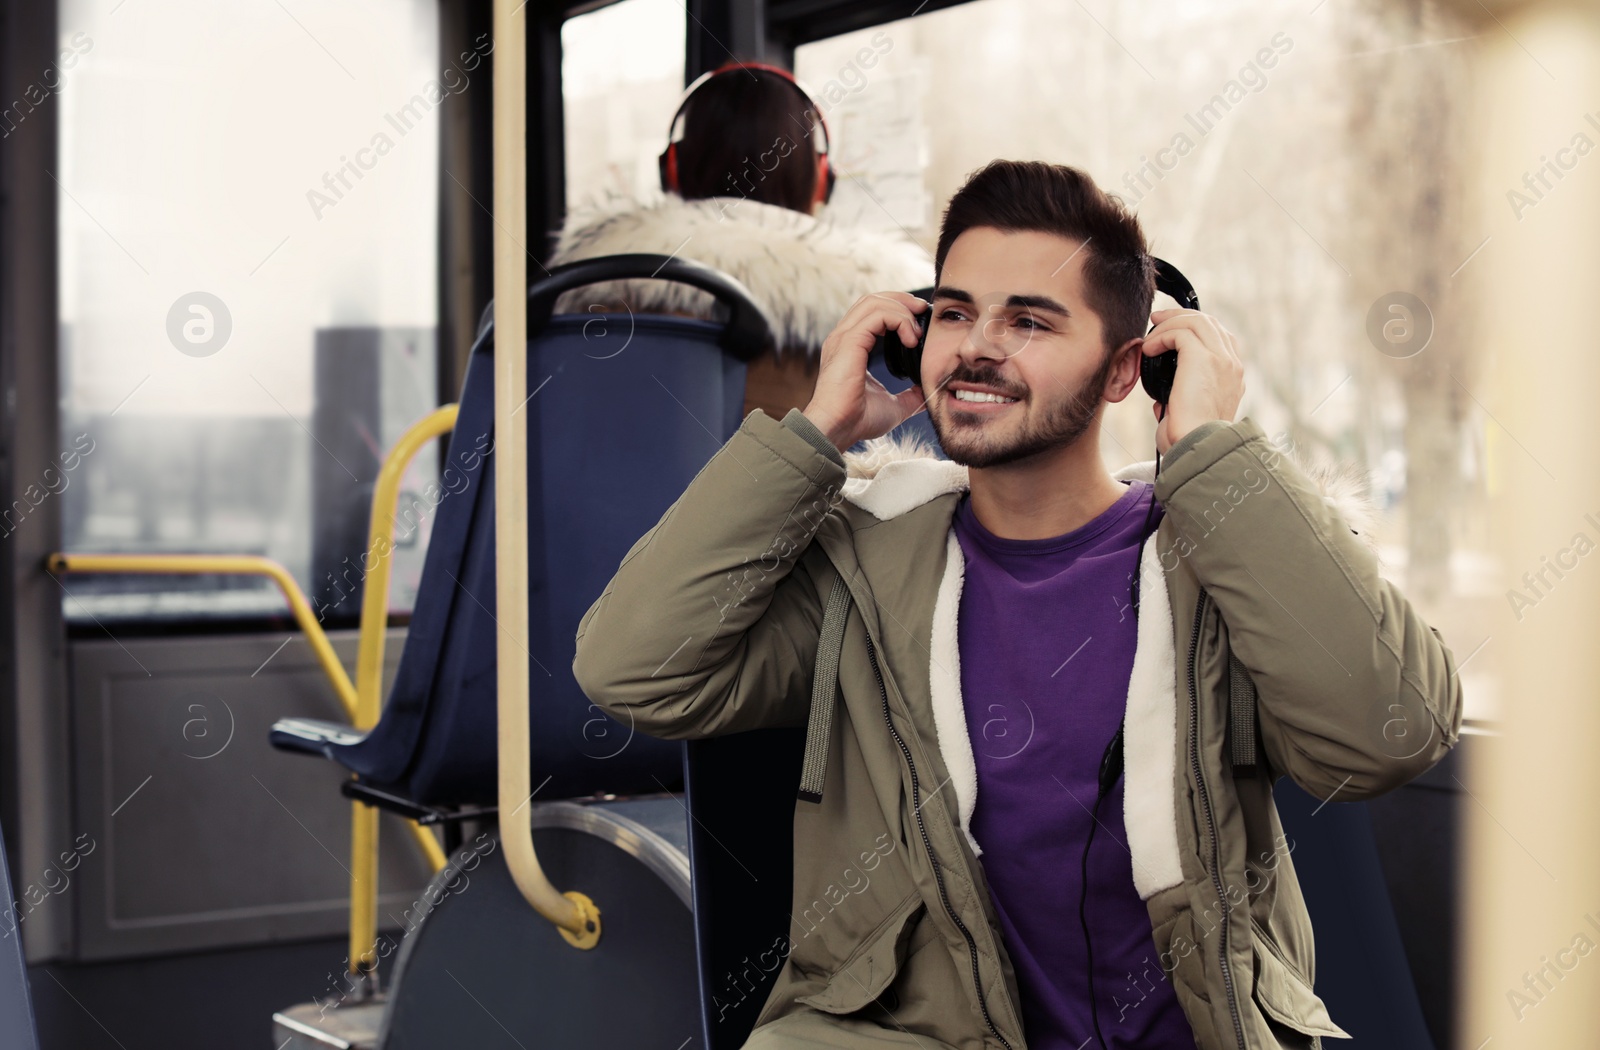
(1356, 694)
(711, 622)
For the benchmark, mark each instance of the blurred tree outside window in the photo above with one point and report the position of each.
(1303, 166)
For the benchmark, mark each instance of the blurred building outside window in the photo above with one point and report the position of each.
(248, 306)
(621, 80)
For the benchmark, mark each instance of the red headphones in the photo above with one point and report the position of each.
(668, 161)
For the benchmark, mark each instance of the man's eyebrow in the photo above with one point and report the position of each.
(1038, 302)
(1030, 302)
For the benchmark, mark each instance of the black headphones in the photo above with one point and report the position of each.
(1155, 372)
(667, 162)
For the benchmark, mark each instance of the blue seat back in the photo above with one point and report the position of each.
(1362, 971)
(623, 411)
(16, 1005)
(919, 424)
(741, 796)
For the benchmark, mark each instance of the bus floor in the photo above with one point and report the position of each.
(216, 1000)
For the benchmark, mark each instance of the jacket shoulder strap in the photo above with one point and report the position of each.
(824, 692)
(1241, 718)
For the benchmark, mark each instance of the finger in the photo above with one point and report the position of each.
(1233, 346)
(909, 333)
(904, 299)
(1163, 339)
(1223, 338)
(871, 316)
(1199, 335)
(1201, 324)
(1210, 331)
(899, 303)
(875, 303)
(1182, 321)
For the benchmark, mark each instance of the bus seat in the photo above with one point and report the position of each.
(918, 425)
(1362, 973)
(16, 1005)
(741, 798)
(623, 411)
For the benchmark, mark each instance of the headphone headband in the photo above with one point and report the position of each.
(735, 67)
(668, 161)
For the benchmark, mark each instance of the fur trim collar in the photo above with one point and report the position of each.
(900, 472)
(805, 272)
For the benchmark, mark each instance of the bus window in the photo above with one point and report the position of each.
(1297, 167)
(232, 373)
(621, 76)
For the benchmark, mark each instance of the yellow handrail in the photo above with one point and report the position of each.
(362, 700)
(231, 565)
(369, 682)
(380, 542)
(573, 913)
(248, 565)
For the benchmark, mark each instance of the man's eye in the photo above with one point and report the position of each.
(1031, 323)
(951, 315)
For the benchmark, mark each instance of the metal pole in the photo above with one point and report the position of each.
(574, 913)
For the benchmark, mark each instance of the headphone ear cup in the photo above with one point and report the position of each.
(902, 360)
(667, 165)
(825, 179)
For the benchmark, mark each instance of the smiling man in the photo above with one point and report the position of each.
(1035, 660)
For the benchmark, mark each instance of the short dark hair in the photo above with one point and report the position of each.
(1119, 276)
(735, 120)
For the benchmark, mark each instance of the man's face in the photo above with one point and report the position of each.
(1009, 318)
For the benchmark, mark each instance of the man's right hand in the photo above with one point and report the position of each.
(849, 404)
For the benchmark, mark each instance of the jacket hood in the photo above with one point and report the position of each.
(895, 473)
(803, 271)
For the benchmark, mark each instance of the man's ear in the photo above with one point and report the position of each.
(1125, 373)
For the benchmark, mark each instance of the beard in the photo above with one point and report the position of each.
(973, 442)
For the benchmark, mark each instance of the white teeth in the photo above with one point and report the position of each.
(973, 395)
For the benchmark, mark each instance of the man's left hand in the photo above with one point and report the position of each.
(1210, 378)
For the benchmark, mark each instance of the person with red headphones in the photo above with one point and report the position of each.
(745, 179)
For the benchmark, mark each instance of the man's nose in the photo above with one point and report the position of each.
(989, 338)
(994, 327)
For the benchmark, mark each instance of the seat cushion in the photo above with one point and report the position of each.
(313, 736)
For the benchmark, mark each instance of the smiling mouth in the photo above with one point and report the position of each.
(983, 402)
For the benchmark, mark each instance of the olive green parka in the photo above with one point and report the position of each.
(1255, 579)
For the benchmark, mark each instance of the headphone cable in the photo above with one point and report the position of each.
(1111, 769)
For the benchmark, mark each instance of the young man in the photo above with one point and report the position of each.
(1016, 871)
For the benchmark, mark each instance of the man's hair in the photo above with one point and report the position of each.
(749, 134)
(1119, 277)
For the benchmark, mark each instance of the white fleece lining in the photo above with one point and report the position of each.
(944, 680)
(1150, 726)
(904, 485)
(899, 477)
(1150, 738)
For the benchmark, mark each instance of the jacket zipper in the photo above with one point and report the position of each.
(1211, 826)
(927, 844)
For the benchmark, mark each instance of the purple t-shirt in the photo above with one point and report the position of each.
(1047, 639)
